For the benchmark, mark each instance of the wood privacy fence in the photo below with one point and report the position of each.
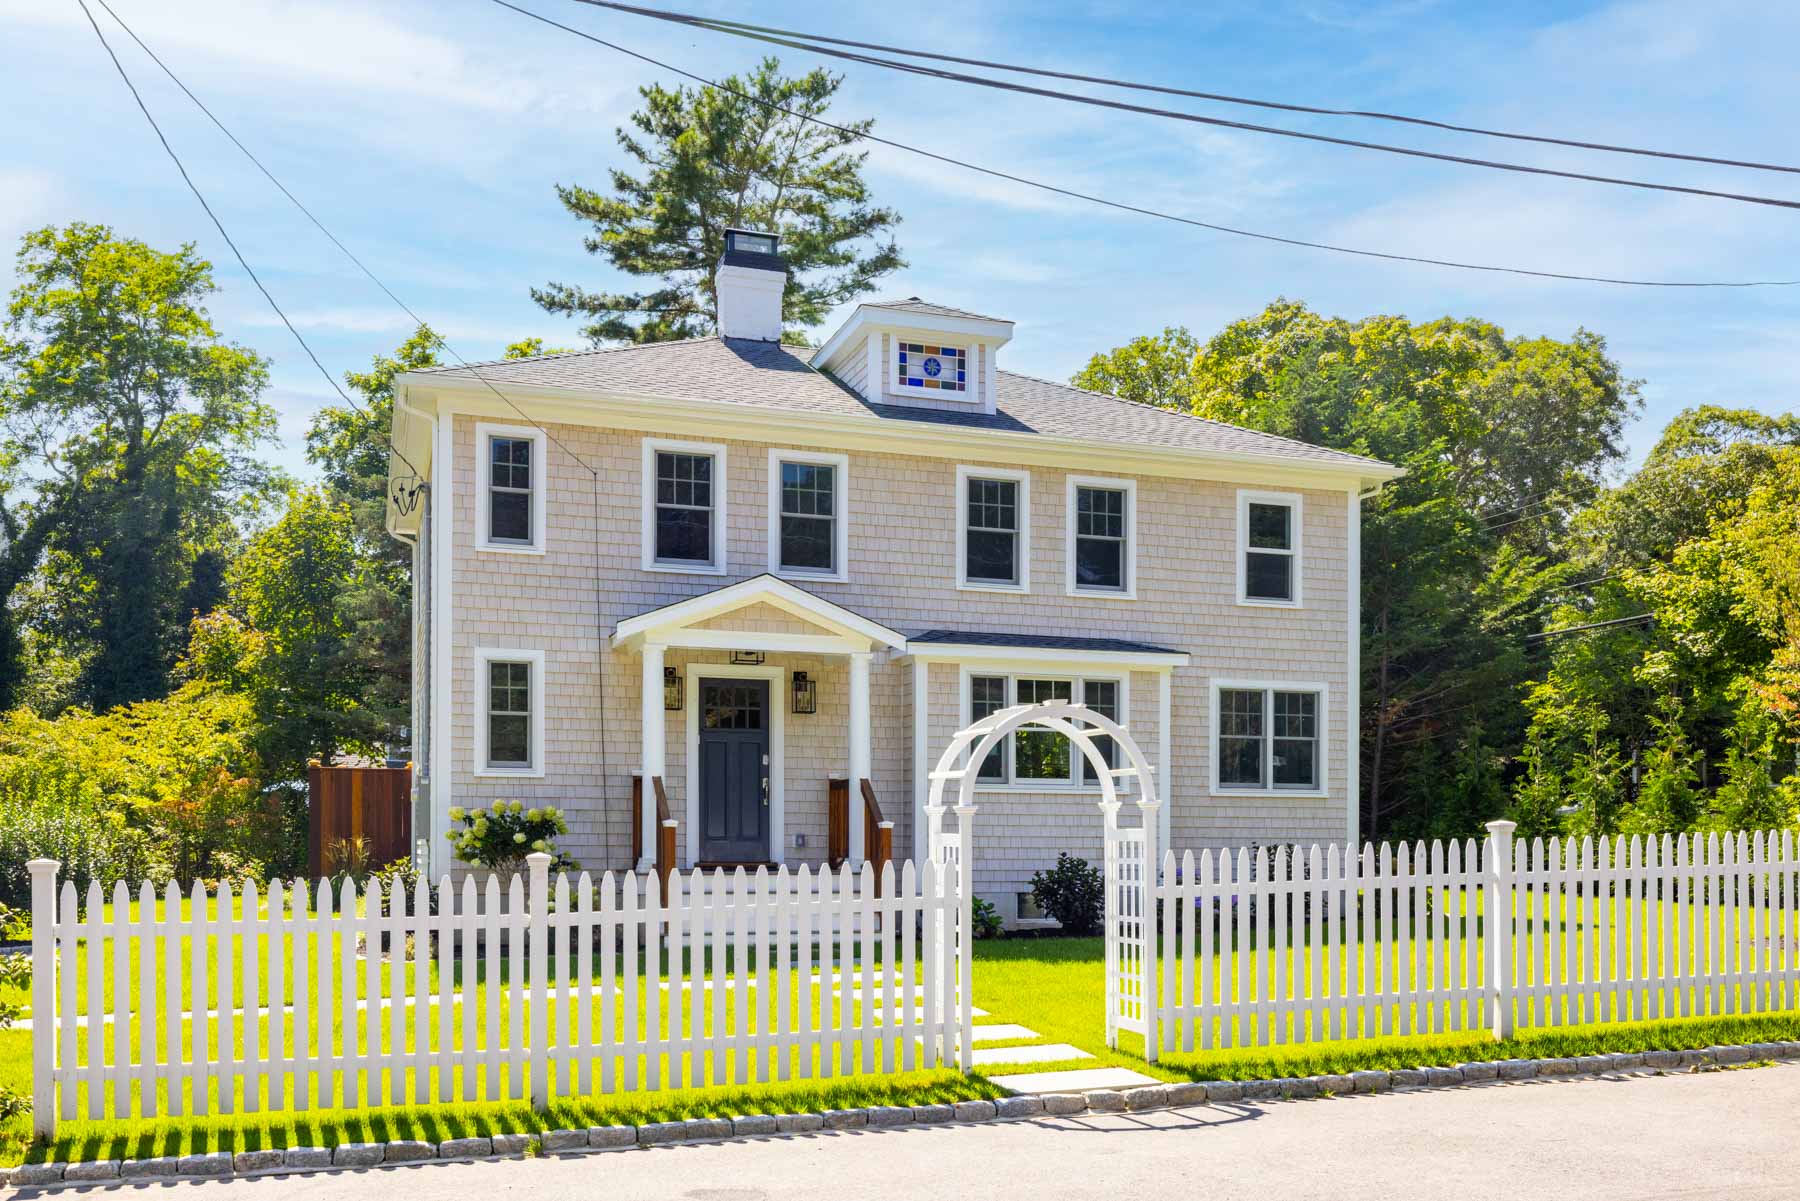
(1266, 946)
(346, 803)
(318, 996)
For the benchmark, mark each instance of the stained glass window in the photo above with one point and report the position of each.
(939, 368)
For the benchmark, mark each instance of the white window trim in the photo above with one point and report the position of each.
(1129, 488)
(721, 494)
(485, 655)
(779, 690)
(1271, 686)
(1297, 524)
(840, 531)
(484, 431)
(969, 394)
(1013, 673)
(964, 473)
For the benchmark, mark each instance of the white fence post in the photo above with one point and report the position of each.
(1497, 914)
(538, 898)
(1148, 915)
(965, 936)
(43, 994)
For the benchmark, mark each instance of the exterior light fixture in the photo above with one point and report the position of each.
(671, 690)
(747, 658)
(806, 694)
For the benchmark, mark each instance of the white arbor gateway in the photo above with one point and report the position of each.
(1130, 851)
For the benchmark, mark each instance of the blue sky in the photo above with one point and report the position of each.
(430, 137)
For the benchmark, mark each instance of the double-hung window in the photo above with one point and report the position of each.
(1268, 548)
(1101, 546)
(1033, 757)
(1269, 739)
(808, 518)
(684, 506)
(509, 734)
(510, 466)
(993, 532)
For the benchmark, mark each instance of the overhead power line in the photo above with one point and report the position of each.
(320, 226)
(721, 25)
(816, 47)
(1141, 210)
(406, 502)
(1635, 619)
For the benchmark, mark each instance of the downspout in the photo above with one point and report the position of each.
(424, 626)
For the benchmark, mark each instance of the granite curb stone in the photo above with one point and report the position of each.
(747, 1126)
(212, 1163)
(974, 1111)
(707, 1129)
(348, 1155)
(1188, 1092)
(850, 1119)
(1064, 1104)
(785, 1123)
(409, 1150)
(161, 1166)
(1105, 1100)
(1224, 1092)
(1518, 1069)
(1149, 1096)
(512, 1144)
(1371, 1081)
(38, 1173)
(654, 1134)
(306, 1158)
(92, 1169)
(267, 1159)
(890, 1115)
(563, 1140)
(468, 1148)
(934, 1113)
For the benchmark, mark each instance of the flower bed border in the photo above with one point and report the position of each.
(214, 1165)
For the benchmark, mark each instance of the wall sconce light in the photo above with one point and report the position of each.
(747, 658)
(671, 690)
(806, 694)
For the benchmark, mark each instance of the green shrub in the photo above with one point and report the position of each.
(501, 835)
(1073, 892)
(93, 845)
(986, 919)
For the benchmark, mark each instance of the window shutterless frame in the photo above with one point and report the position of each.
(683, 496)
(1266, 545)
(1263, 733)
(1100, 534)
(988, 689)
(511, 469)
(809, 500)
(997, 506)
(508, 685)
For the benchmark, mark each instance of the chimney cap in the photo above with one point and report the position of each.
(753, 248)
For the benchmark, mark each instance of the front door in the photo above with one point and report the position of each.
(734, 771)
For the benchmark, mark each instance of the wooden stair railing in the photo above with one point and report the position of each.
(665, 830)
(878, 832)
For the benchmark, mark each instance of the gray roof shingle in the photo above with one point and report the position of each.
(771, 375)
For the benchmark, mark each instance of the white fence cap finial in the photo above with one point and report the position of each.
(1498, 828)
(42, 867)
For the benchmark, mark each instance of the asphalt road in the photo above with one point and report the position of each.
(1718, 1134)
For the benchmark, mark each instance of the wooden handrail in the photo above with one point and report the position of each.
(878, 832)
(665, 829)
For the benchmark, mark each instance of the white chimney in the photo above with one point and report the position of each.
(749, 282)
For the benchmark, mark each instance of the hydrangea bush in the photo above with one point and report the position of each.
(501, 835)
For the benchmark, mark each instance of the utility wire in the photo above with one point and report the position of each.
(1593, 625)
(1140, 210)
(320, 226)
(1218, 122)
(242, 262)
(721, 25)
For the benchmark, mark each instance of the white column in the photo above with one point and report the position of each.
(652, 738)
(1165, 734)
(859, 750)
(1353, 675)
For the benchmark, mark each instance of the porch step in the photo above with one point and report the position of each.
(1038, 1053)
(1079, 1080)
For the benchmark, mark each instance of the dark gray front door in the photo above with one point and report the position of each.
(734, 771)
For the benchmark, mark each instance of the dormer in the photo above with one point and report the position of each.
(914, 353)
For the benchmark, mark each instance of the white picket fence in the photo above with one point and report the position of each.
(310, 996)
(1274, 945)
